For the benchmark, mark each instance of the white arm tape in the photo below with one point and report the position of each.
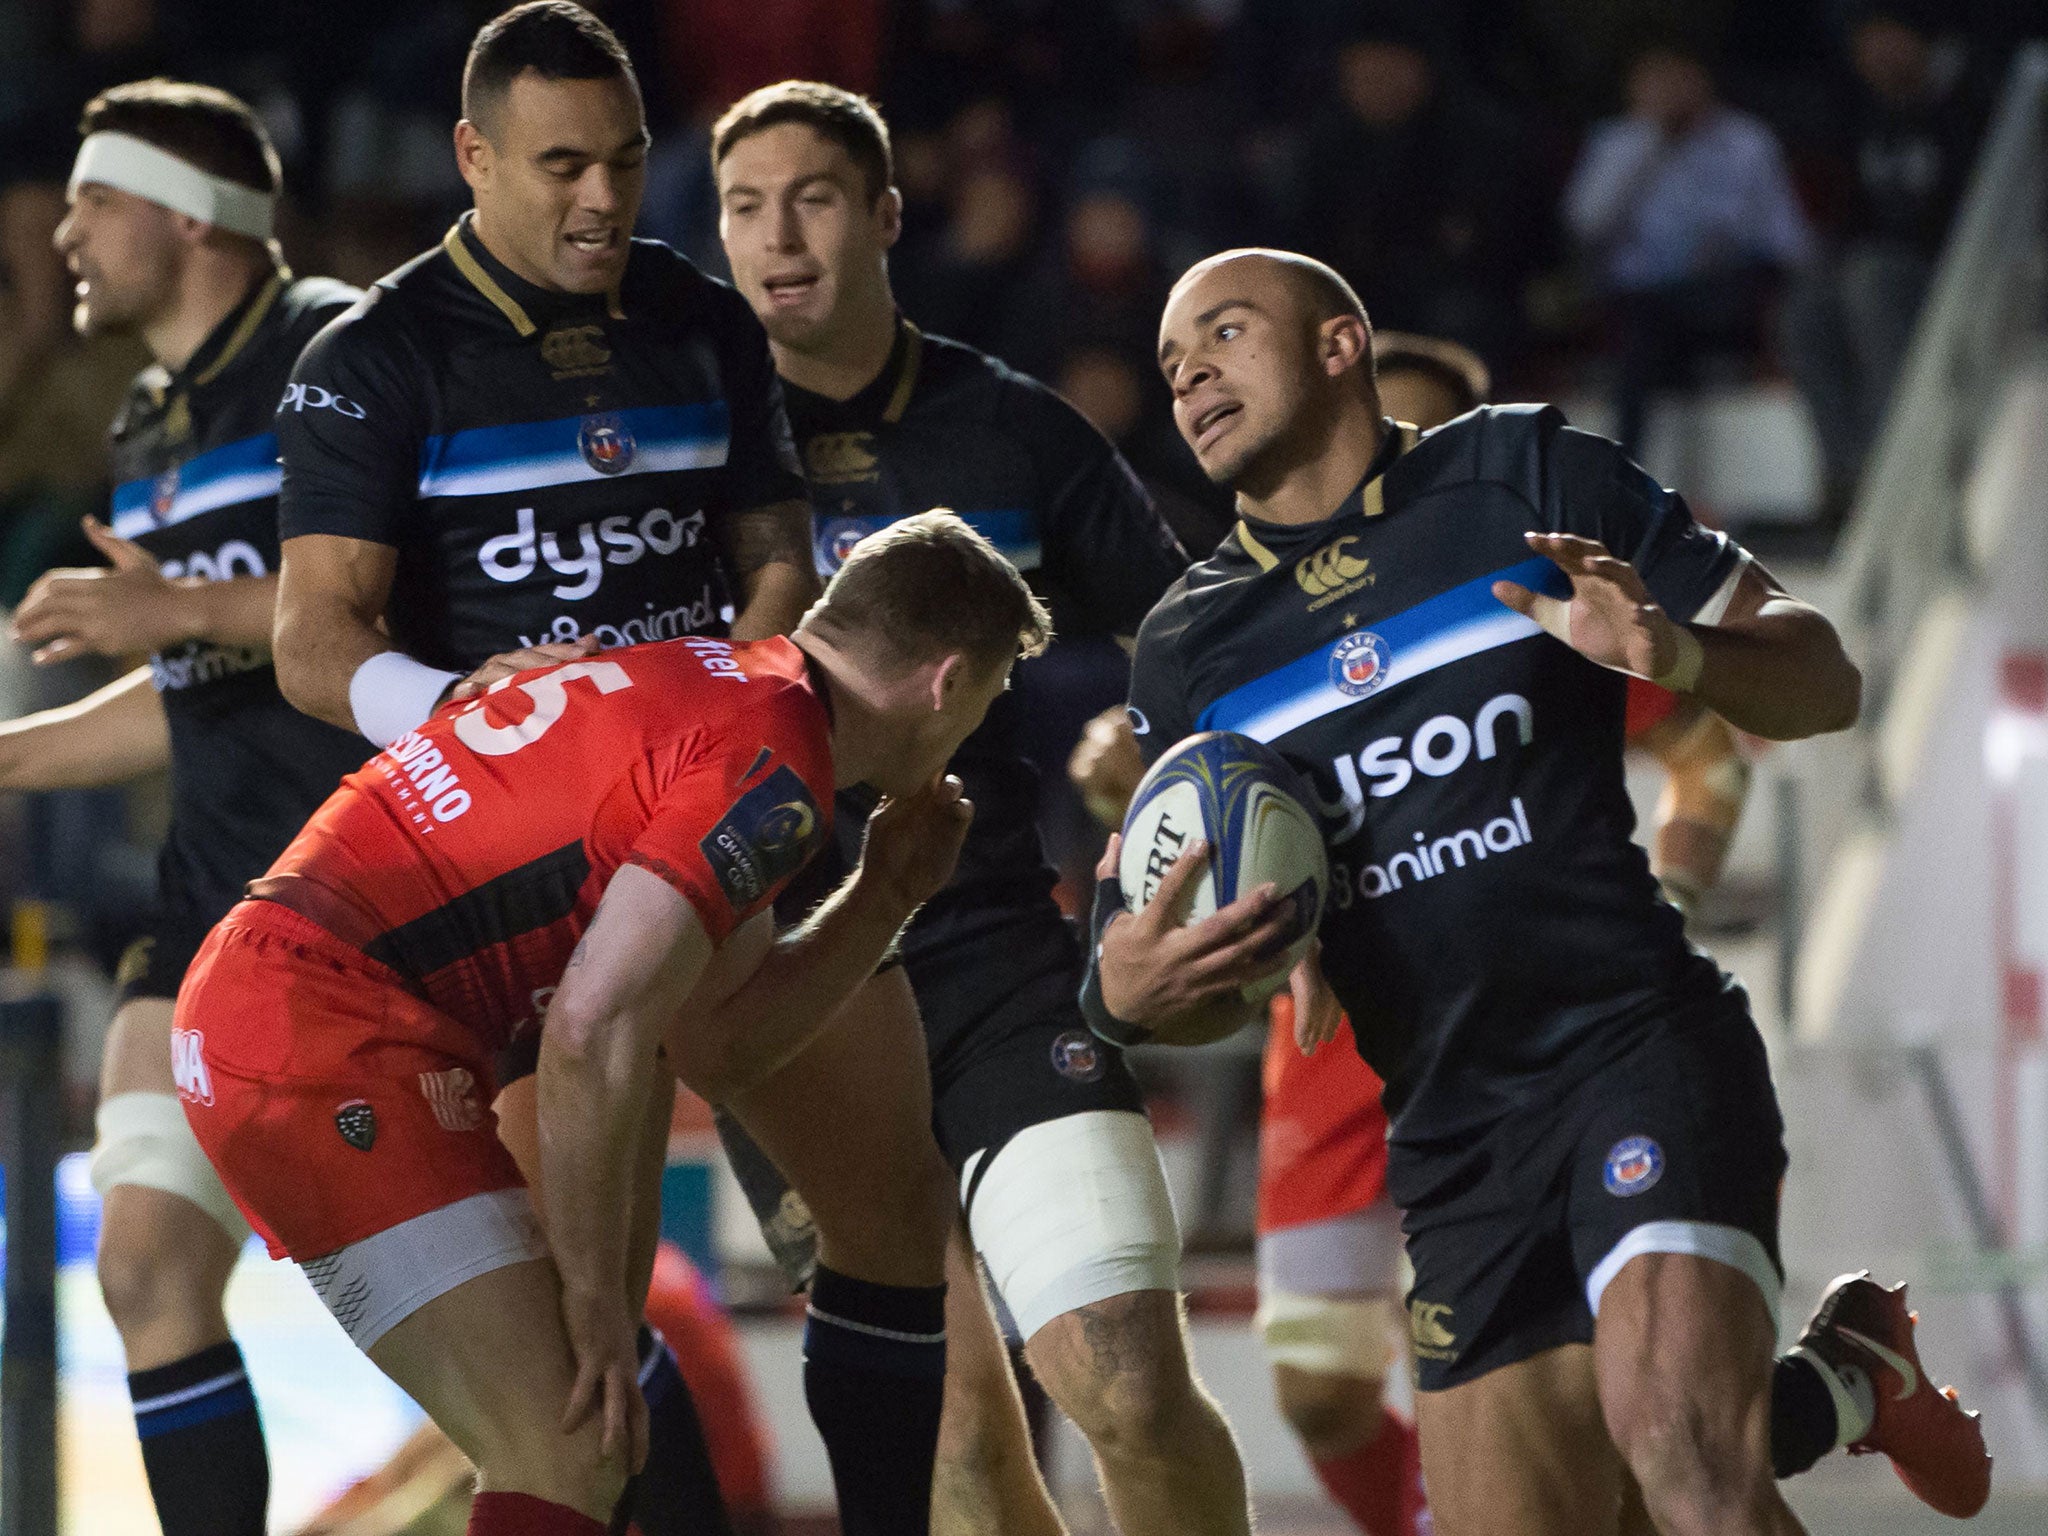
(392, 694)
(129, 164)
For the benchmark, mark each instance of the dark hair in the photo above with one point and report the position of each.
(930, 586)
(200, 124)
(556, 39)
(848, 120)
(1458, 369)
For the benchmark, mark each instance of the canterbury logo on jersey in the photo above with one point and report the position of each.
(1440, 746)
(617, 540)
(576, 351)
(1331, 573)
(835, 458)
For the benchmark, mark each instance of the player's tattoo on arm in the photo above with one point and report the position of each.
(777, 534)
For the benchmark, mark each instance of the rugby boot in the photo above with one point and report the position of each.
(1935, 1446)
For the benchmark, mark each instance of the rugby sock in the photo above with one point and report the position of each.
(521, 1514)
(676, 1493)
(1815, 1408)
(202, 1444)
(874, 1374)
(1379, 1485)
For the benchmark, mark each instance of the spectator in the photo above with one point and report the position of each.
(1688, 216)
(1101, 284)
(1412, 187)
(1913, 124)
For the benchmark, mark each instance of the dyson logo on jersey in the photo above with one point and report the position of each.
(1431, 857)
(615, 541)
(425, 783)
(1440, 746)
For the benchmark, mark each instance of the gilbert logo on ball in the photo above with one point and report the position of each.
(1248, 804)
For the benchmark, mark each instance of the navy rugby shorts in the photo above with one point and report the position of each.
(1675, 1145)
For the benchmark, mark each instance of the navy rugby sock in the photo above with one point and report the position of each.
(874, 1375)
(1803, 1420)
(676, 1493)
(202, 1444)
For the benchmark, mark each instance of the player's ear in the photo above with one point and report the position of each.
(472, 152)
(889, 210)
(1344, 344)
(948, 677)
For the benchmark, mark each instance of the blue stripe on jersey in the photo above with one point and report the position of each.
(227, 476)
(655, 439)
(1449, 627)
(1013, 530)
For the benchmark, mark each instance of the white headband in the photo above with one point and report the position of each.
(124, 162)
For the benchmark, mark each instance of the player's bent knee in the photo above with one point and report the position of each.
(143, 1140)
(1327, 1410)
(1074, 1212)
(1119, 1369)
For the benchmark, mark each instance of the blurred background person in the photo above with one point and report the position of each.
(1687, 216)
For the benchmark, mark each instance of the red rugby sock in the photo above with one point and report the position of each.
(1379, 1485)
(521, 1514)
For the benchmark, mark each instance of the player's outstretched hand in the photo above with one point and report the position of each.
(601, 1337)
(510, 663)
(913, 842)
(1609, 618)
(1154, 970)
(1105, 766)
(1317, 1013)
(120, 609)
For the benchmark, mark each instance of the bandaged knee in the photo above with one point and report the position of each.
(144, 1140)
(1074, 1211)
(1328, 1335)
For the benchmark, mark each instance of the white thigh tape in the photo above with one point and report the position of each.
(1074, 1211)
(129, 164)
(374, 1285)
(1329, 1335)
(144, 1140)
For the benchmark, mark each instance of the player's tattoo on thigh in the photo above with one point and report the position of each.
(1114, 1344)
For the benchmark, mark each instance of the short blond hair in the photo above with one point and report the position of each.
(930, 586)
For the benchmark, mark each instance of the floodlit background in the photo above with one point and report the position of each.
(1849, 376)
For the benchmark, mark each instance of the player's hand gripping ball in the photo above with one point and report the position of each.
(1244, 802)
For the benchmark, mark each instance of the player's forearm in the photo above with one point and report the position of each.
(242, 611)
(1782, 675)
(108, 737)
(593, 1098)
(778, 595)
(318, 647)
(805, 979)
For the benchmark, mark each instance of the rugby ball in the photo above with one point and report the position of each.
(1243, 799)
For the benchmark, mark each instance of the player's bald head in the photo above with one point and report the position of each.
(1314, 290)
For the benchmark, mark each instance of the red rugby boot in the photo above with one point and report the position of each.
(1936, 1447)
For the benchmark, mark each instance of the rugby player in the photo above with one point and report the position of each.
(608, 834)
(1584, 1135)
(1059, 1178)
(169, 237)
(538, 438)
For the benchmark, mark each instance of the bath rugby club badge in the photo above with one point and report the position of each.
(605, 444)
(1359, 664)
(1075, 1055)
(1634, 1164)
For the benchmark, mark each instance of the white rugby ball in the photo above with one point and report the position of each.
(1243, 799)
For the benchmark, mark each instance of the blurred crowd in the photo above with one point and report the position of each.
(1614, 195)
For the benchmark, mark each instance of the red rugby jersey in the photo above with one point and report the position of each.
(469, 855)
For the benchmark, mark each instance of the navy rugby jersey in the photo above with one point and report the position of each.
(1491, 921)
(195, 470)
(546, 464)
(943, 425)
